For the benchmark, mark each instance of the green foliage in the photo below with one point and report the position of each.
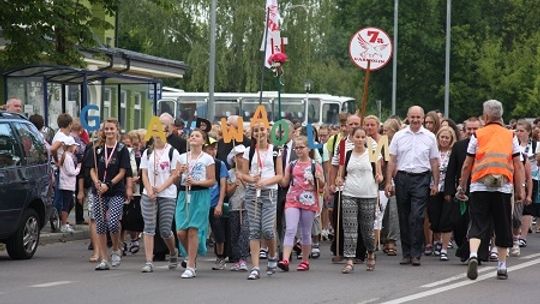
(49, 31)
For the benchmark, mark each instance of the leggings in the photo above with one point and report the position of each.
(239, 235)
(358, 212)
(107, 212)
(261, 213)
(166, 208)
(295, 217)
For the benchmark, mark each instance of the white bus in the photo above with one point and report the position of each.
(306, 108)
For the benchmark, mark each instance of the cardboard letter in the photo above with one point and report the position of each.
(284, 128)
(85, 118)
(311, 140)
(155, 128)
(260, 116)
(229, 132)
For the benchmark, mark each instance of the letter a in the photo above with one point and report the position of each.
(260, 116)
(155, 128)
(230, 132)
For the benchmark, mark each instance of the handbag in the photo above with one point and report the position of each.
(132, 219)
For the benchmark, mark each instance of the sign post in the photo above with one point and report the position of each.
(370, 49)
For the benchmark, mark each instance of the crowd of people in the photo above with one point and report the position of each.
(423, 182)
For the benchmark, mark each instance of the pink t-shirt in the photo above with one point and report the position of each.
(302, 193)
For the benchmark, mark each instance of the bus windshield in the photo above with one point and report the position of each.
(292, 110)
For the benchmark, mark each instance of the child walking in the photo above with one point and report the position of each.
(303, 177)
(193, 205)
(69, 169)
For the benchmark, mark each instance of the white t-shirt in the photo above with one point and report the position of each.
(359, 181)
(158, 175)
(60, 136)
(196, 167)
(267, 160)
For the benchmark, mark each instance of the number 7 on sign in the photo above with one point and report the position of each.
(374, 35)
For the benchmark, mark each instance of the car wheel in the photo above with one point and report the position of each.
(24, 243)
(54, 220)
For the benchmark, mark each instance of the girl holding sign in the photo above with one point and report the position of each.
(193, 205)
(261, 170)
(108, 162)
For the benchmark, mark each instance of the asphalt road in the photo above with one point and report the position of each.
(60, 273)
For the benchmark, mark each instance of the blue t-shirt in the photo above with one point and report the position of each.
(214, 190)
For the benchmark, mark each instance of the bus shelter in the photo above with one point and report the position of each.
(50, 90)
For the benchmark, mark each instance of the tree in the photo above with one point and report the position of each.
(50, 31)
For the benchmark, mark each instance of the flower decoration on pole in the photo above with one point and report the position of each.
(277, 60)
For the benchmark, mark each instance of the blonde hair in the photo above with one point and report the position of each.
(452, 134)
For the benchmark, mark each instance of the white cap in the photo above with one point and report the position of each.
(235, 151)
(69, 141)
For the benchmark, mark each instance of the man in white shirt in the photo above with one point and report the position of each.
(414, 158)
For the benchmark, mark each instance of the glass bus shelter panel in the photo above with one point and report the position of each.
(314, 110)
(30, 91)
(330, 113)
(292, 110)
(226, 108)
(54, 104)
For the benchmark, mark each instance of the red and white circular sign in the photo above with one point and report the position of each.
(370, 44)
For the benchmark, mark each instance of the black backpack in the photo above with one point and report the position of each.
(151, 149)
(348, 157)
(291, 167)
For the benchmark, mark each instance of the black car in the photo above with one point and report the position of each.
(25, 185)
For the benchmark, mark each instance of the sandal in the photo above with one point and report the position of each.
(347, 269)
(134, 246)
(283, 265)
(304, 266)
(428, 250)
(494, 257)
(370, 262)
(391, 252)
(189, 273)
(254, 274)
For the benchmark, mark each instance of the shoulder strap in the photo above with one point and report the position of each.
(171, 152)
(534, 144)
(291, 167)
(217, 168)
(347, 158)
(251, 154)
(275, 154)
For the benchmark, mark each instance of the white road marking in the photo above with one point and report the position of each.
(456, 277)
(467, 282)
(531, 256)
(51, 284)
(369, 301)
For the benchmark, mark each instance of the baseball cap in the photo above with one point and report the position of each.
(235, 151)
(211, 141)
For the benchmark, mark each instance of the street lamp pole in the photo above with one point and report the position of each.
(447, 59)
(394, 60)
(212, 62)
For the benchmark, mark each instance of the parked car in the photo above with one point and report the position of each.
(25, 185)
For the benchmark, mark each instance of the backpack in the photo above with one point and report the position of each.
(217, 168)
(151, 149)
(275, 153)
(348, 157)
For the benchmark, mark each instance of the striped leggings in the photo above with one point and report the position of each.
(261, 213)
(358, 212)
(107, 212)
(166, 208)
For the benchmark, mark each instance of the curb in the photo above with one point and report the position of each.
(51, 238)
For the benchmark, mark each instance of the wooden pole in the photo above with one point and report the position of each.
(365, 94)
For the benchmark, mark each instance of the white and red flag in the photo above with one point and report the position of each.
(272, 36)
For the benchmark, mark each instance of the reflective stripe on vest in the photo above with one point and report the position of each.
(493, 153)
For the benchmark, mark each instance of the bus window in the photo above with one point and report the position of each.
(166, 106)
(314, 111)
(292, 110)
(226, 109)
(330, 112)
(249, 107)
(349, 106)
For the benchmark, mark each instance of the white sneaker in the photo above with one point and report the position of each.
(67, 229)
(243, 266)
(116, 258)
(515, 251)
(147, 268)
(103, 265)
(189, 273)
